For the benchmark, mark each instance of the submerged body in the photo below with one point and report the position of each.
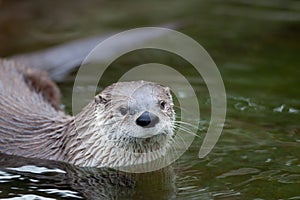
(127, 123)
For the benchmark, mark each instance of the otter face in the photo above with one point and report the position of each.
(137, 112)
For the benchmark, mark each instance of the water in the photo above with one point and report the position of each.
(256, 47)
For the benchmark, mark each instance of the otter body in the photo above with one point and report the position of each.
(127, 123)
(30, 123)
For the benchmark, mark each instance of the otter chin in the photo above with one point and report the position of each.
(128, 123)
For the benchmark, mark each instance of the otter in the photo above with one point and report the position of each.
(127, 123)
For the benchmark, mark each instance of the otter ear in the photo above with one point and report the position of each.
(167, 90)
(100, 99)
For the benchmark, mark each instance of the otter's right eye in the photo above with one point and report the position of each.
(123, 111)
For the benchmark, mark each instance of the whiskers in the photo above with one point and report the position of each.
(184, 133)
(186, 127)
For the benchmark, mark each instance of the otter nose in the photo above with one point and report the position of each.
(147, 120)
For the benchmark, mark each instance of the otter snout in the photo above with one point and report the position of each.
(147, 120)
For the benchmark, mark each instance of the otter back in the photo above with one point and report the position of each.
(30, 120)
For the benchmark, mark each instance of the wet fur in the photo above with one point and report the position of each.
(32, 125)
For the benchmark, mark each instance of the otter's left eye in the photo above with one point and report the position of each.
(123, 111)
(162, 105)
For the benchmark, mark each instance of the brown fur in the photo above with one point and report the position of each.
(40, 82)
(32, 125)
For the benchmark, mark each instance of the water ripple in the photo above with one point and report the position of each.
(240, 172)
(29, 196)
(243, 104)
(6, 176)
(35, 169)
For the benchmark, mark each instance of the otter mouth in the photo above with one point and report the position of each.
(148, 139)
(149, 144)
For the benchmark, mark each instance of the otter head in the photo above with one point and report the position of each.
(137, 115)
(128, 123)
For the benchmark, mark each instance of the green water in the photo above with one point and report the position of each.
(255, 45)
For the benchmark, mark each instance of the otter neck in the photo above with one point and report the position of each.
(78, 146)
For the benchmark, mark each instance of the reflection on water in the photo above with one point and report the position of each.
(256, 47)
(23, 177)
